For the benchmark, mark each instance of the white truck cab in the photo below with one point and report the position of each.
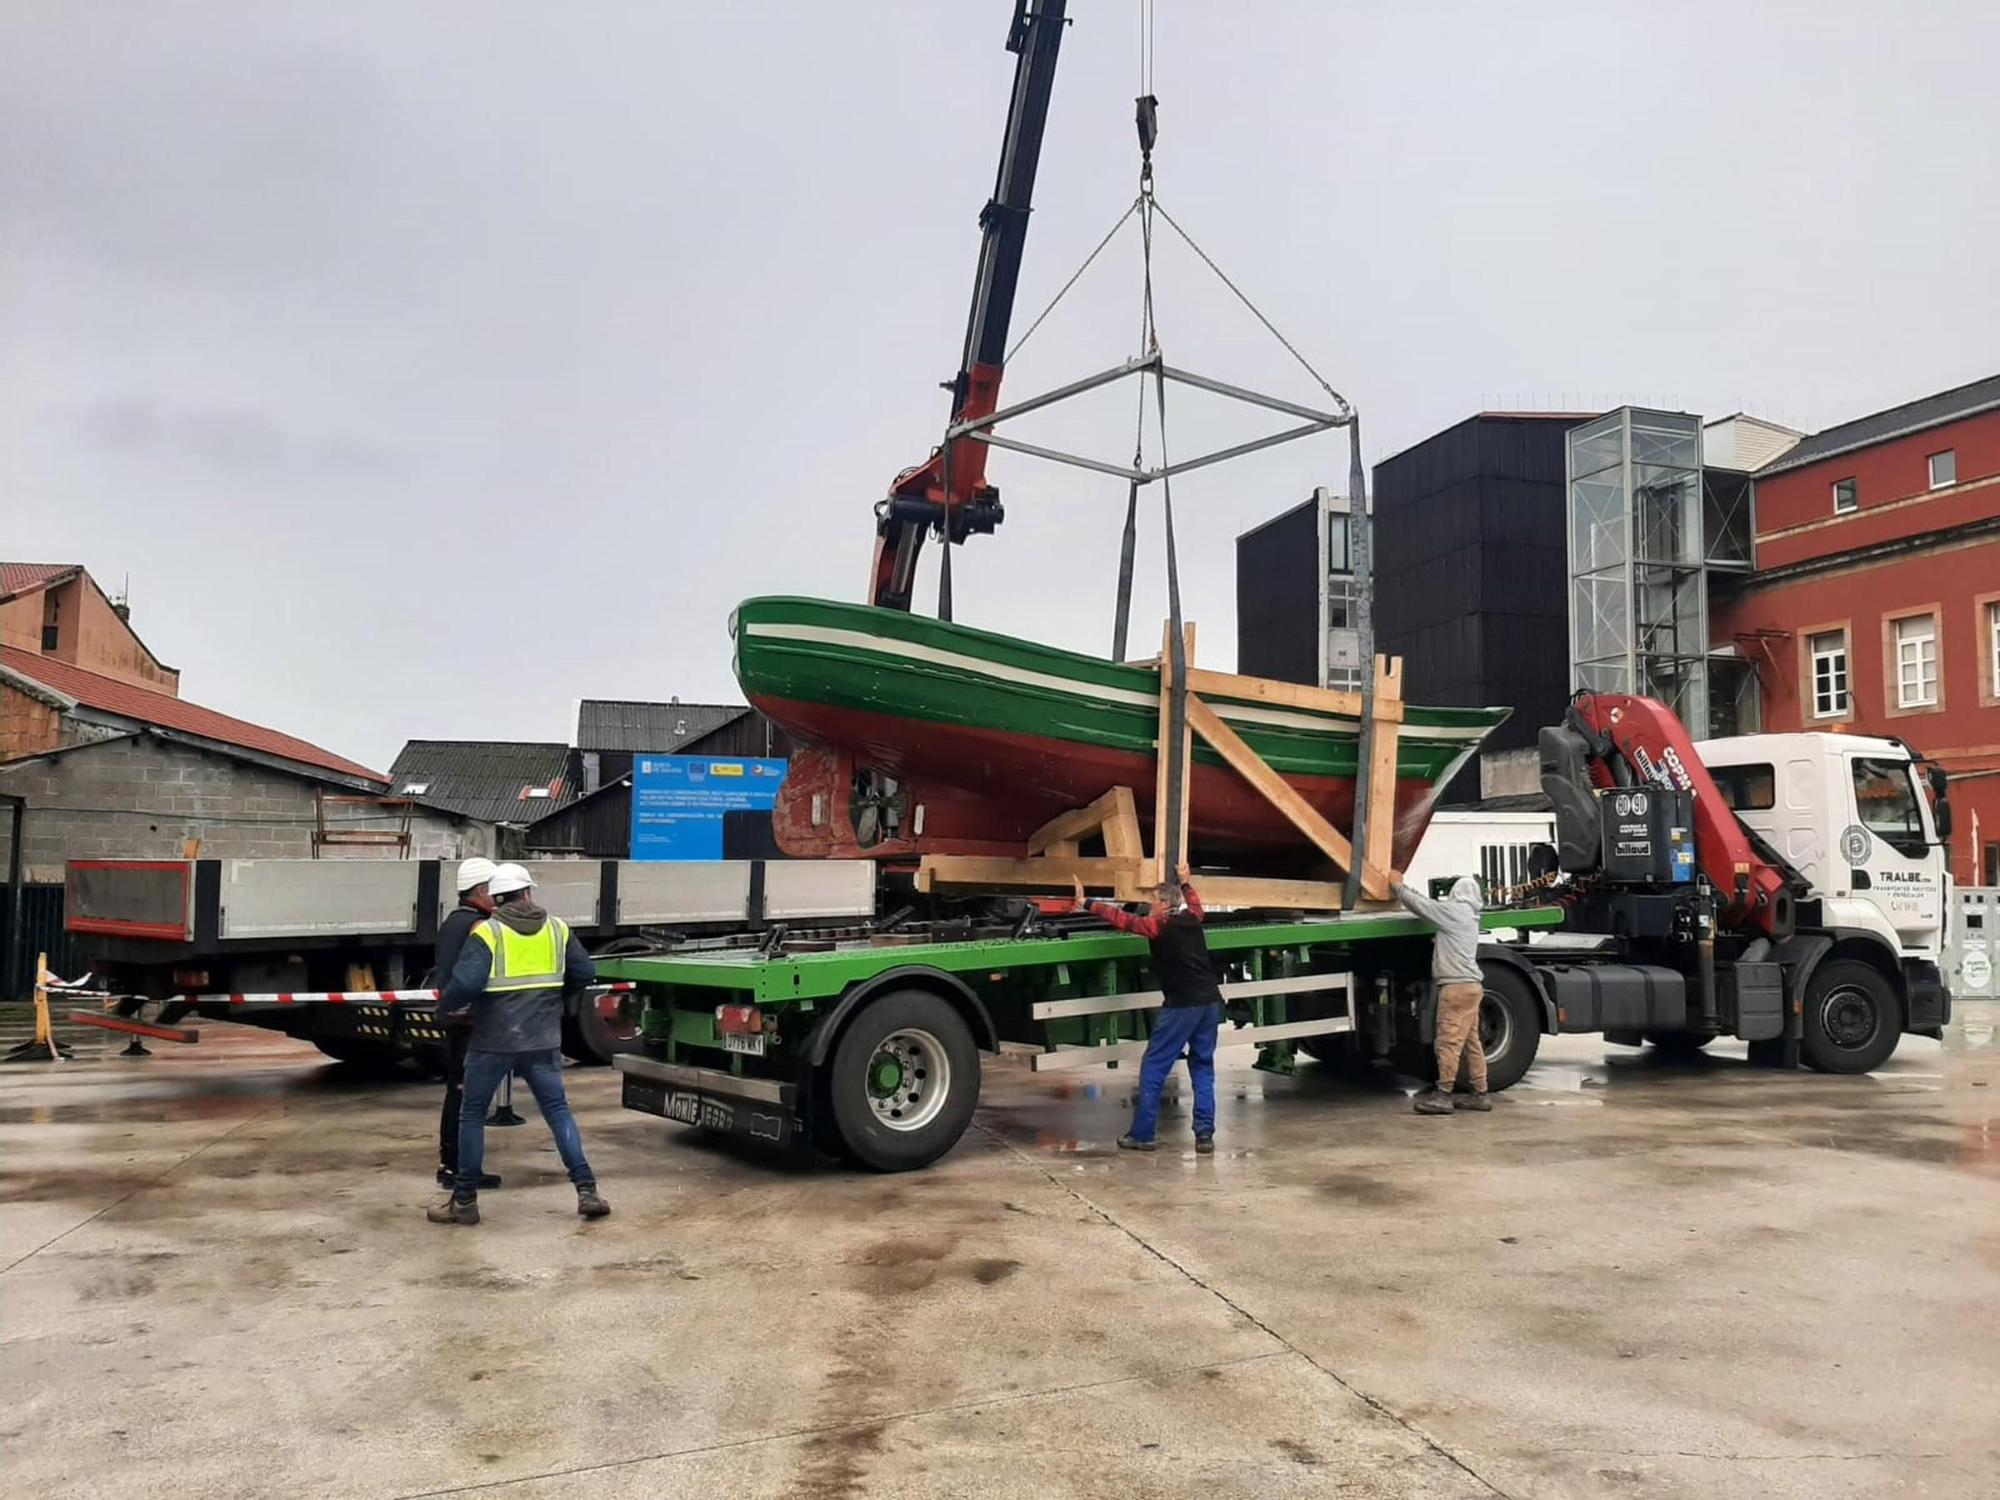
(1850, 812)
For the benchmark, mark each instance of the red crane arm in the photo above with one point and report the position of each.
(1650, 738)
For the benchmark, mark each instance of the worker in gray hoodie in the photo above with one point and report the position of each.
(1455, 969)
(513, 974)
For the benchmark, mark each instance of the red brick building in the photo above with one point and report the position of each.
(1875, 604)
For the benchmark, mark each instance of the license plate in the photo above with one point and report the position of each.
(750, 1043)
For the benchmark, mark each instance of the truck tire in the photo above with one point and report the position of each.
(1510, 1027)
(903, 1081)
(1852, 1020)
(596, 1031)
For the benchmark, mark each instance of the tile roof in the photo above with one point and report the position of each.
(649, 728)
(486, 779)
(25, 578)
(109, 695)
(1911, 416)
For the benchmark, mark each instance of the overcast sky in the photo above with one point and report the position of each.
(428, 367)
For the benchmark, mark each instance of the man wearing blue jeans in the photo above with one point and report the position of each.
(1190, 1013)
(513, 973)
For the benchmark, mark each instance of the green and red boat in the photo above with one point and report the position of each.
(920, 736)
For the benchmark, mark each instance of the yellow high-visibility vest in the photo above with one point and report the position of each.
(524, 961)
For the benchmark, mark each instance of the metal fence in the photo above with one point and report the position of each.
(41, 932)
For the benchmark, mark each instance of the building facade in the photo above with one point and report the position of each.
(57, 610)
(1874, 606)
(154, 795)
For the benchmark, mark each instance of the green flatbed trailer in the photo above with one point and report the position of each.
(871, 1048)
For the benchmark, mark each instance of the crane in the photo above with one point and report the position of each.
(948, 491)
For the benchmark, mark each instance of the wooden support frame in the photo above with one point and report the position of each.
(1054, 851)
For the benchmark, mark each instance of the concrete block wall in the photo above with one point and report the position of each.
(143, 798)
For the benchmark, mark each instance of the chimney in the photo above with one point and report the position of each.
(122, 605)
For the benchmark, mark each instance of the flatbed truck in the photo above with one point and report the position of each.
(1664, 912)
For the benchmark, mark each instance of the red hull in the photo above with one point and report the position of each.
(984, 791)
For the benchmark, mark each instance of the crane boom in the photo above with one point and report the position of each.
(1752, 891)
(950, 486)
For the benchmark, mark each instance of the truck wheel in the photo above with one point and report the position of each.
(903, 1081)
(597, 1031)
(1510, 1028)
(1852, 1020)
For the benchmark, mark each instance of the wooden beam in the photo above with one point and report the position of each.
(1271, 786)
(1161, 813)
(1245, 890)
(1275, 694)
(1042, 874)
(1081, 822)
(1379, 829)
(1121, 829)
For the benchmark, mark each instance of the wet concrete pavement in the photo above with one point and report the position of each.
(1633, 1278)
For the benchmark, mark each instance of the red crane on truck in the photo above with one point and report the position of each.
(948, 491)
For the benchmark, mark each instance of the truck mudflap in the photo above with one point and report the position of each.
(756, 1109)
(1927, 1001)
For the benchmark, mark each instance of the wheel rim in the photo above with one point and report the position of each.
(1849, 1018)
(1496, 1027)
(908, 1079)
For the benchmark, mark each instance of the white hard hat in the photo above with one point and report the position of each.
(475, 871)
(509, 878)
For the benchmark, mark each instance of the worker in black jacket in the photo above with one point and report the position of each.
(1190, 1016)
(474, 906)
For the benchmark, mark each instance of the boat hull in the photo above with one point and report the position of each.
(920, 737)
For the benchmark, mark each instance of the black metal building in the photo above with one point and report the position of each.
(1472, 571)
(1471, 574)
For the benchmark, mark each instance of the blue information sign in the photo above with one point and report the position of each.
(678, 801)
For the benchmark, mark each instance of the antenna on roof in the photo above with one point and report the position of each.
(122, 605)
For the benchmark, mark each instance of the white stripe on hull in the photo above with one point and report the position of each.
(861, 640)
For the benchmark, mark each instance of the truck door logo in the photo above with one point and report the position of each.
(1855, 844)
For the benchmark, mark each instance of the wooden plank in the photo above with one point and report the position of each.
(1271, 786)
(1251, 890)
(1378, 843)
(1081, 822)
(1276, 694)
(1029, 874)
(1187, 755)
(1121, 829)
(1160, 873)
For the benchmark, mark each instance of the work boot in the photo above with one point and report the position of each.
(588, 1204)
(1133, 1143)
(454, 1210)
(1204, 1145)
(449, 1179)
(1432, 1101)
(1476, 1101)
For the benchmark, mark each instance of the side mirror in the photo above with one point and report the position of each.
(1940, 805)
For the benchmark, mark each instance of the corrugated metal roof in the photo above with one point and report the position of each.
(492, 780)
(22, 578)
(1911, 416)
(109, 695)
(648, 728)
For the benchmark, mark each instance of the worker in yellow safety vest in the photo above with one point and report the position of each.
(517, 970)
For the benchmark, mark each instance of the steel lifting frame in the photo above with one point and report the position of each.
(981, 429)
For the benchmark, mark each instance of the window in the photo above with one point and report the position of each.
(1993, 648)
(1337, 559)
(1746, 788)
(534, 793)
(415, 788)
(1885, 799)
(1829, 673)
(1917, 662)
(1845, 496)
(1944, 468)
